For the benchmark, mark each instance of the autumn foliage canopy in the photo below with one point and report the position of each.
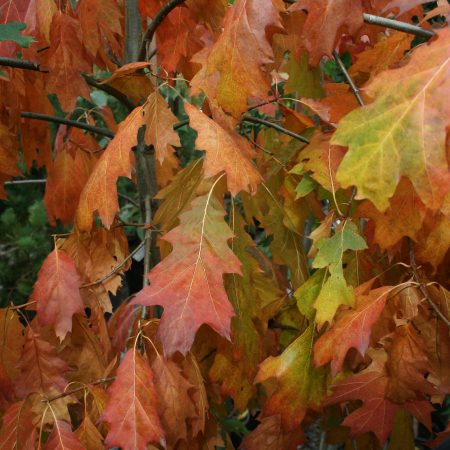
(297, 264)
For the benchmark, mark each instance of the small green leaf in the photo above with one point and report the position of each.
(306, 185)
(331, 250)
(11, 32)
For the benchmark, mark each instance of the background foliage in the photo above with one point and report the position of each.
(224, 224)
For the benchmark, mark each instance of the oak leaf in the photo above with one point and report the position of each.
(270, 434)
(225, 151)
(403, 132)
(404, 217)
(189, 282)
(100, 19)
(89, 435)
(100, 192)
(239, 56)
(159, 132)
(41, 369)
(131, 411)
(176, 406)
(300, 384)
(377, 412)
(331, 15)
(351, 328)
(66, 178)
(17, 429)
(56, 292)
(66, 62)
(62, 438)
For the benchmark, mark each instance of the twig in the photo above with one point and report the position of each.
(391, 23)
(115, 269)
(423, 289)
(181, 124)
(156, 21)
(72, 123)
(74, 391)
(362, 104)
(24, 305)
(25, 182)
(348, 78)
(129, 199)
(397, 25)
(21, 64)
(274, 126)
(109, 90)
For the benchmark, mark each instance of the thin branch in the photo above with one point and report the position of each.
(12, 182)
(181, 124)
(391, 23)
(109, 90)
(397, 25)
(20, 64)
(348, 78)
(115, 269)
(129, 199)
(274, 126)
(422, 287)
(156, 21)
(82, 388)
(24, 305)
(72, 123)
(362, 104)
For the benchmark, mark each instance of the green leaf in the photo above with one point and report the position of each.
(307, 293)
(11, 32)
(335, 292)
(306, 185)
(330, 250)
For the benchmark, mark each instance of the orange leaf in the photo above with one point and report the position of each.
(41, 370)
(62, 438)
(189, 282)
(131, 410)
(329, 15)
(56, 292)
(66, 178)
(224, 152)
(66, 61)
(17, 431)
(351, 328)
(234, 67)
(100, 192)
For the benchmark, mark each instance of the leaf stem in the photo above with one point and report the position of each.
(71, 123)
(156, 21)
(422, 287)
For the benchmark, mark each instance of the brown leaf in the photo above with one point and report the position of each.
(176, 406)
